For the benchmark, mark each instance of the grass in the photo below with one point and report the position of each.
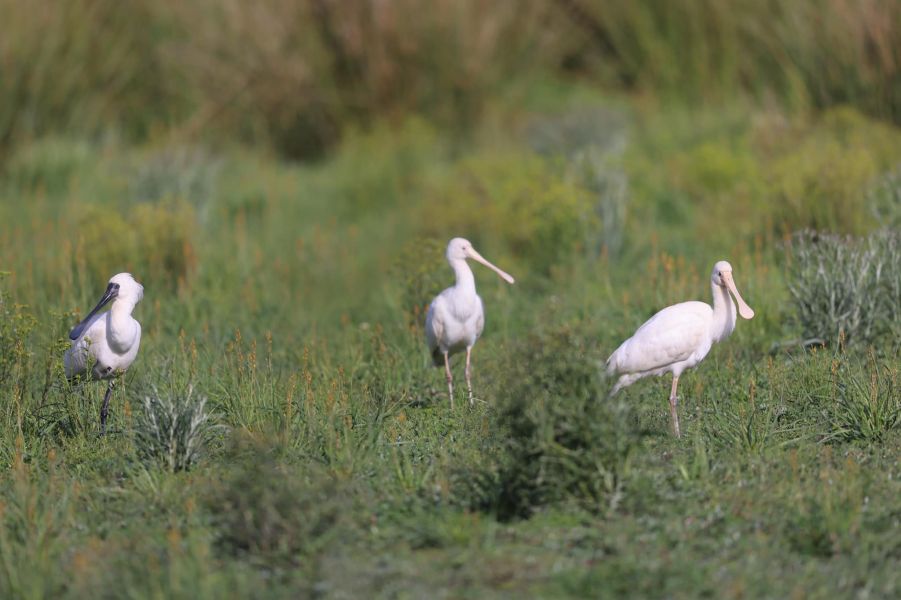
(297, 76)
(847, 289)
(283, 307)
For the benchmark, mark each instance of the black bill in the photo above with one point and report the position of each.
(112, 290)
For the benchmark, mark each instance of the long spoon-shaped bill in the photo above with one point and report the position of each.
(478, 257)
(110, 293)
(743, 309)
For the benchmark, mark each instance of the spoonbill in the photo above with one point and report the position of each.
(107, 343)
(456, 316)
(679, 337)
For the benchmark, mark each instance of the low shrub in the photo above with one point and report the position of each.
(820, 171)
(591, 142)
(154, 240)
(267, 511)
(174, 429)
(562, 440)
(522, 202)
(164, 234)
(376, 168)
(846, 287)
(825, 518)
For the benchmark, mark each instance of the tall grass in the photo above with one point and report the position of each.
(80, 67)
(296, 75)
(869, 404)
(806, 52)
(292, 75)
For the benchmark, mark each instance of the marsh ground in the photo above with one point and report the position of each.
(291, 299)
(283, 177)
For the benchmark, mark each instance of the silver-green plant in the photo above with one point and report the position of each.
(185, 172)
(884, 199)
(592, 141)
(847, 287)
(174, 429)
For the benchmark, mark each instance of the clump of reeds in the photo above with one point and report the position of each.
(845, 286)
(174, 429)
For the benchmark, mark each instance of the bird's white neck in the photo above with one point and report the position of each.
(465, 280)
(122, 327)
(122, 307)
(723, 313)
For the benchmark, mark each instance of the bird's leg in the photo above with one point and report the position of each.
(104, 408)
(672, 405)
(450, 380)
(469, 375)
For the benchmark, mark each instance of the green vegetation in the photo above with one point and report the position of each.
(846, 289)
(281, 429)
(295, 75)
(281, 433)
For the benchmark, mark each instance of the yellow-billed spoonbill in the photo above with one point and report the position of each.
(456, 317)
(679, 337)
(107, 343)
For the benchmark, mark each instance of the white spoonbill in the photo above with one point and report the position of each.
(107, 343)
(456, 316)
(679, 337)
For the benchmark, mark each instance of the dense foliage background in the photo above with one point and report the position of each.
(283, 178)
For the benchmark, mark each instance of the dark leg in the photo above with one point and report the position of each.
(104, 408)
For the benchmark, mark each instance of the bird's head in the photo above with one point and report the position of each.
(458, 249)
(461, 249)
(124, 287)
(718, 270)
(722, 277)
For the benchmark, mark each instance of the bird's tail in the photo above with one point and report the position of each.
(611, 365)
(612, 368)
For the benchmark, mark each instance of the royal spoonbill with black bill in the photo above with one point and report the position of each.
(107, 343)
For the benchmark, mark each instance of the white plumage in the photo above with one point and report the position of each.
(107, 343)
(679, 337)
(456, 317)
